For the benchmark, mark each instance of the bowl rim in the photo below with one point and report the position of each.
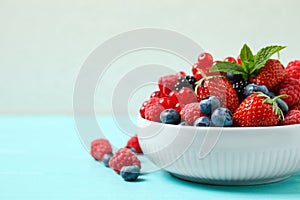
(224, 128)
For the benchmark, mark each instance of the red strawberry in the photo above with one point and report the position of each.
(166, 84)
(191, 112)
(270, 75)
(134, 142)
(291, 87)
(99, 148)
(293, 69)
(292, 117)
(221, 88)
(258, 109)
(123, 157)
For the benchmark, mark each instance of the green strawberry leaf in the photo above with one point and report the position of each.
(263, 56)
(229, 67)
(246, 57)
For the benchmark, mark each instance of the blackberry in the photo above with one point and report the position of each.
(239, 87)
(188, 82)
(238, 84)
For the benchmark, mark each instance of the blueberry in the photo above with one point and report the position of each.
(170, 116)
(106, 159)
(130, 173)
(234, 77)
(209, 104)
(252, 87)
(281, 103)
(183, 124)
(222, 117)
(283, 106)
(132, 149)
(202, 121)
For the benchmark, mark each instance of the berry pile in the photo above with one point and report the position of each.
(125, 161)
(252, 90)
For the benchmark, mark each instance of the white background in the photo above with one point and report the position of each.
(44, 43)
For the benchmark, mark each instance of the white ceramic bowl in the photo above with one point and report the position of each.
(222, 156)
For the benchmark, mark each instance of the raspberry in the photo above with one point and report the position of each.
(123, 157)
(134, 142)
(166, 84)
(191, 112)
(291, 87)
(293, 69)
(293, 117)
(296, 107)
(152, 111)
(99, 148)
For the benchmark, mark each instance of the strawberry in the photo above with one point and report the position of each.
(270, 75)
(293, 69)
(220, 87)
(258, 109)
(292, 117)
(258, 68)
(291, 87)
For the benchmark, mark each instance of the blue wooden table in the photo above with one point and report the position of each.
(42, 158)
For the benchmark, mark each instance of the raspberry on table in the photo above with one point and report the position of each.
(191, 112)
(123, 157)
(292, 117)
(134, 143)
(99, 148)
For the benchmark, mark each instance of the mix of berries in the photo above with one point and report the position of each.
(250, 90)
(124, 161)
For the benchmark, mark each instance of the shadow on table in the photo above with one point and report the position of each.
(289, 186)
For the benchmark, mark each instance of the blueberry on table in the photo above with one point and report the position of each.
(170, 116)
(209, 104)
(252, 87)
(130, 173)
(202, 121)
(106, 159)
(222, 117)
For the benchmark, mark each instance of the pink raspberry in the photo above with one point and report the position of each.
(123, 157)
(191, 112)
(99, 148)
(152, 111)
(166, 84)
(293, 69)
(292, 117)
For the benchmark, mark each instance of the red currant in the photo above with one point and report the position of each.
(205, 60)
(178, 107)
(174, 97)
(230, 59)
(155, 94)
(239, 60)
(181, 73)
(195, 68)
(198, 76)
(142, 109)
(165, 102)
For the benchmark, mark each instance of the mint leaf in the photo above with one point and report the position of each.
(246, 54)
(229, 67)
(263, 56)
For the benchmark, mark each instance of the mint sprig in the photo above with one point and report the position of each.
(251, 64)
